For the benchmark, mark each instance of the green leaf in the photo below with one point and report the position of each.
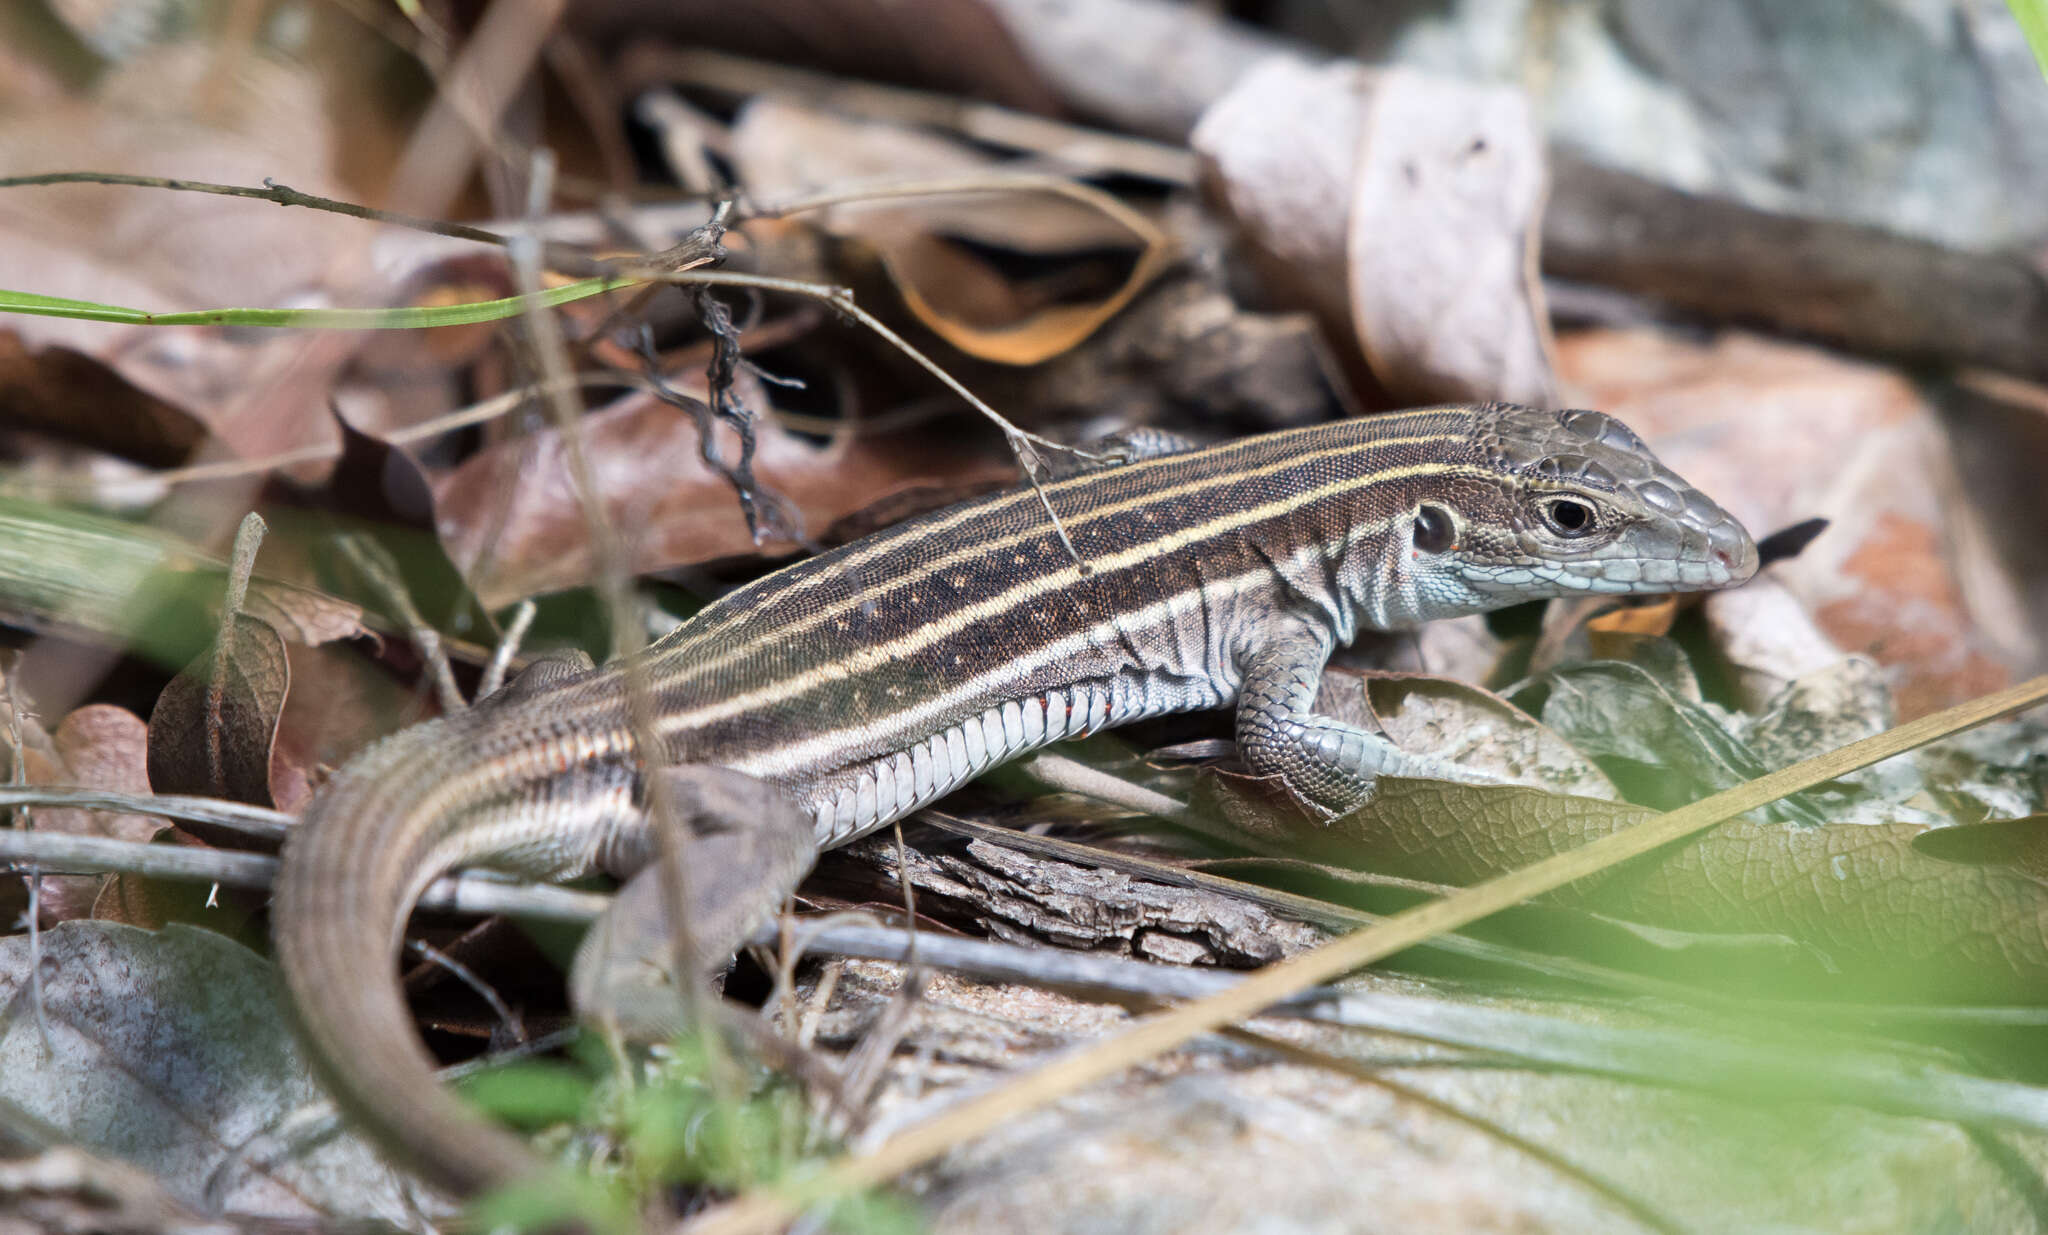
(531, 1094)
(2033, 19)
(412, 318)
(556, 1201)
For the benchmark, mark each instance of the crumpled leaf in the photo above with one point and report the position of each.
(1424, 191)
(784, 149)
(167, 1050)
(1466, 724)
(211, 732)
(1677, 747)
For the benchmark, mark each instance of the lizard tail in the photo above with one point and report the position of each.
(368, 846)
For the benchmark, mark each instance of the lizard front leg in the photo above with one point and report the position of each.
(1324, 762)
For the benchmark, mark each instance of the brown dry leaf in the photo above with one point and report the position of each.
(213, 727)
(153, 904)
(184, 111)
(1425, 192)
(1185, 353)
(1779, 433)
(69, 395)
(304, 615)
(96, 747)
(515, 502)
(1653, 619)
(382, 492)
(784, 150)
(339, 702)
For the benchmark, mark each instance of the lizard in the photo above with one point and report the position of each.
(868, 680)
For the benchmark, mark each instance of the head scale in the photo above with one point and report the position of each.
(1560, 503)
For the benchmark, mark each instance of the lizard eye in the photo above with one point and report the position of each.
(1568, 517)
(1435, 531)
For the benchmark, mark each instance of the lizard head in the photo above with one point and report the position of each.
(1572, 502)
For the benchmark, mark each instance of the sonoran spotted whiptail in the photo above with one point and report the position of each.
(868, 681)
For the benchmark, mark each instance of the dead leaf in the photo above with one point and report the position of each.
(379, 489)
(783, 150)
(153, 904)
(213, 727)
(339, 703)
(656, 487)
(1185, 353)
(1442, 254)
(1653, 619)
(99, 746)
(69, 395)
(1425, 192)
(1675, 748)
(177, 110)
(1465, 724)
(167, 1050)
(304, 615)
(1766, 638)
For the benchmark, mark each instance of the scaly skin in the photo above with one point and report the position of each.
(869, 680)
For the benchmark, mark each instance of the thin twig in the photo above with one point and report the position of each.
(469, 978)
(270, 192)
(508, 647)
(477, 892)
(377, 568)
(17, 776)
(1066, 774)
(258, 821)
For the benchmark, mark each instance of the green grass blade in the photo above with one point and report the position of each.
(312, 319)
(2033, 19)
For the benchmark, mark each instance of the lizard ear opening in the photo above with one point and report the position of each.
(1435, 530)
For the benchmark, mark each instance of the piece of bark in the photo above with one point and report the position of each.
(1017, 896)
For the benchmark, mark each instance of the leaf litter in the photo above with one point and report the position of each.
(1857, 891)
